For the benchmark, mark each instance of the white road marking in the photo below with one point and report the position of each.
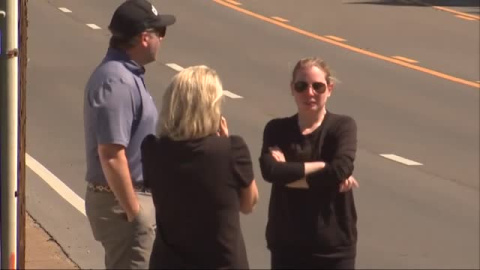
(93, 26)
(230, 94)
(66, 10)
(400, 159)
(225, 92)
(174, 66)
(56, 184)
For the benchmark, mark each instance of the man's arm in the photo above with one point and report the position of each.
(115, 167)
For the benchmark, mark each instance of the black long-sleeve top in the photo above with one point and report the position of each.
(320, 220)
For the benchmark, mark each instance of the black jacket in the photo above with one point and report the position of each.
(320, 219)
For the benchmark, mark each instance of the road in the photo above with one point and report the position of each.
(409, 75)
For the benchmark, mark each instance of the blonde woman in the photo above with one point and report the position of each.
(200, 178)
(308, 158)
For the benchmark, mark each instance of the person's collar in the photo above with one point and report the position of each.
(121, 55)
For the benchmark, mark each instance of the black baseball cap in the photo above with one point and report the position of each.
(135, 16)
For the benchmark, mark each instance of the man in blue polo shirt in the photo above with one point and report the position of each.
(118, 113)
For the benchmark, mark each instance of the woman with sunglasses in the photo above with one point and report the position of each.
(308, 158)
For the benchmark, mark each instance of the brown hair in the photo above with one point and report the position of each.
(313, 62)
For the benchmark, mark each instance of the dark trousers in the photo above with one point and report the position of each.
(296, 260)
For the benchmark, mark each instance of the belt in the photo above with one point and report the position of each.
(106, 188)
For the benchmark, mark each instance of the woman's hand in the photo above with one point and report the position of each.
(223, 129)
(277, 154)
(348, 184)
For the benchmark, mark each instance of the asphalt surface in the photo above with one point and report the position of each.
(423, 216)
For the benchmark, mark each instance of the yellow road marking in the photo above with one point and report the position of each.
(408, 60)
(420, 2)
(233, 2)
(457, 12)
(279, 19)
(336, 38)
(465, 18)
(351, 48)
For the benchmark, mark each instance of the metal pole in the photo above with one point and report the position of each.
(9, 130)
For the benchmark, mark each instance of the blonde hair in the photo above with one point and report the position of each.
(191, 106)
(313, 62)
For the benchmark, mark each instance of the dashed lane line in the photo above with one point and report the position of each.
(449, 10)
(233, 2)
(349, 47)
(174, 66)
(466, 18)
(225, 92)
(400, 159)
(66, 10)
(280, 19)
(405, 59)
(474, 17)
(231, 95)
(339, 39)
(78, 203)
(93, 26)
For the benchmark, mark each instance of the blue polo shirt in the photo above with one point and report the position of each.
(117, 110)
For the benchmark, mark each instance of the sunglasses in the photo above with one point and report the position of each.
(159, 32)
(162, 32)
(301, 86)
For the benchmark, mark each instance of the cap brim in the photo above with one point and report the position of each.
(164, 20)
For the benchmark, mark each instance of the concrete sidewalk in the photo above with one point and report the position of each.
(43, 252)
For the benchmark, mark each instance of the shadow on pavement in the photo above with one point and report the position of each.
(444, 3)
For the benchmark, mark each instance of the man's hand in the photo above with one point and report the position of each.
(133, 212)
(348, 184)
